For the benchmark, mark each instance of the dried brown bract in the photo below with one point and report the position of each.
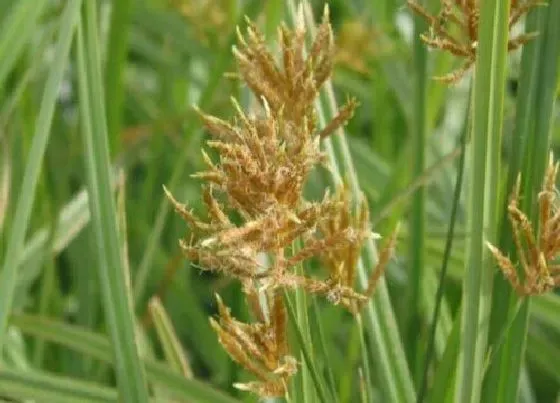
(455, 29)
(537, 254)
(261, 348)
(351, 232)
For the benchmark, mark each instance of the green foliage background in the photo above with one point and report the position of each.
(95, 116)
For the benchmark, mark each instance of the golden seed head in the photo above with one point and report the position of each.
(463, 16)
(537, 249)
(261, 166)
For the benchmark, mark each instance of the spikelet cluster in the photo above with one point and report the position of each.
(537, 249)
(263, 161)
(455, 29)
(261, 347)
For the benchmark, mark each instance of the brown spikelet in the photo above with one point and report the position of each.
(384, 257)
(260, 348)
(343, 116)
(536, 253)
(463, 17)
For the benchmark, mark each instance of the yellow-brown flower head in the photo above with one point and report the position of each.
(537, 254)
(261, 348)
(455, 29)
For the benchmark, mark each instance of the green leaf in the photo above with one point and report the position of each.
(114, 277)
(483, 164)
(168, 339)
(51, 388)
(98, 346)
(17, 31)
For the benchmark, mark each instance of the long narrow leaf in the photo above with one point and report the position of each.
(113, 275)
(484, 167)
(51, 388)
(17, 32)
(98, 346)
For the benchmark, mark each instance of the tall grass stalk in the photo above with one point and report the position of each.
(531, 143)
(121, 15)
(417, 247)
(114, 277)
(483, 162)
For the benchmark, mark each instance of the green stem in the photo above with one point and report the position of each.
(114, 70)
(111, 269)
(484, 168)
(417, 219)
(443, 273)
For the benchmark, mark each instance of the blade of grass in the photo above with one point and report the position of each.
(526, 392)
(306, 353)
(502, 293)
(484, 167)
(545, 353)
(99, 346)
(365, 375)
(540, 65)
(112, 273)
(307, 374)
(114, 71)
(72, 219)
(170, 343)
(51, 388)
(443, 273)
(446, 371)
(17, 32)
(545, 309)
(322, 341)
(5, 180)
(20, 223)
(417, 215)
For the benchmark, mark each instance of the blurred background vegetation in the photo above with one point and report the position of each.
(157, 59)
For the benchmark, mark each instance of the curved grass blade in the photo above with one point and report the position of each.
(168, 339)
(52, 388)
(99, 347)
